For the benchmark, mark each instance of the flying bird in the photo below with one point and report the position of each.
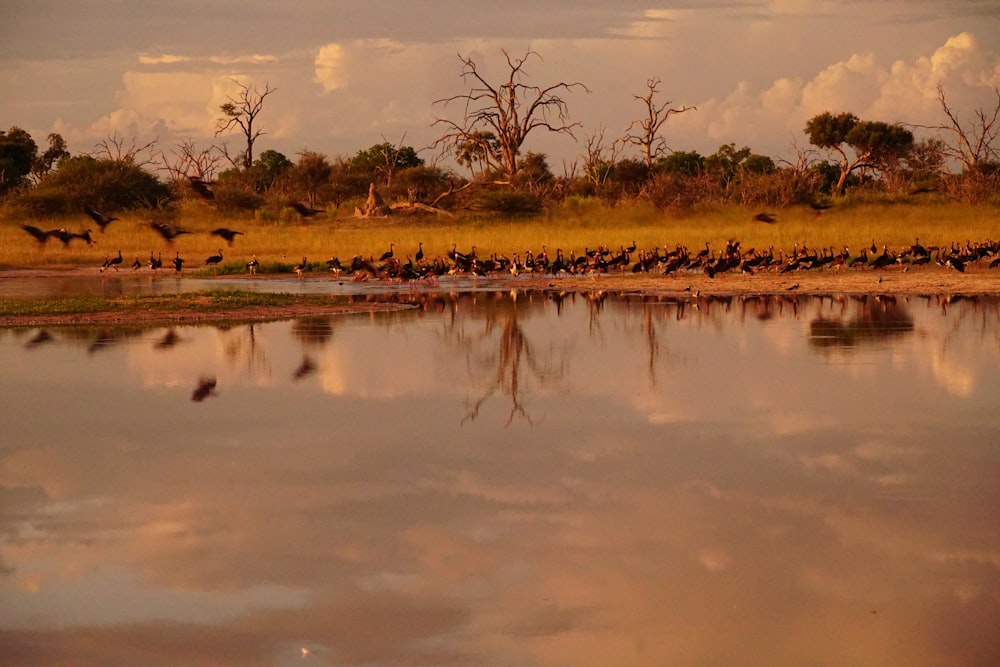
(167, 231)
(40, 235)
(306, 211)
(101, 219)
(201, 188)
(205, 388)
(227, 234)
(769, 218)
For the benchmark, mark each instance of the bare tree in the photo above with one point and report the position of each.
(509, 111)
(241, 111)
(599, 158)
(191, 162)
(117, 149)
(645, 132)
(971, 146)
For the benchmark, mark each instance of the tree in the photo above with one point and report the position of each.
(510, 111)
(18, 152)
(876, 145)
(648, 139)
(270, 166)
(971, 145)
(45, 162)
(241, 111)
(383, 160)
(310, 176)
(479, 148)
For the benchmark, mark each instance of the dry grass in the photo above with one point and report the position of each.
(574, 226)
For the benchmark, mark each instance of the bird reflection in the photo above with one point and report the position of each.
(307, 367)
(169, 339)
(205, 388)
(38, 339)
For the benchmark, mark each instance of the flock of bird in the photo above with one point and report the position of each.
(709, 261)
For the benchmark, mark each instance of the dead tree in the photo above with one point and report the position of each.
(508, 111)
(971, 146)
(241, 111)
(645, 132)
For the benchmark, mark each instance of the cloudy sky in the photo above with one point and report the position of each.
(349, 74)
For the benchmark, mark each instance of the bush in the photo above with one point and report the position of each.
(103, 184)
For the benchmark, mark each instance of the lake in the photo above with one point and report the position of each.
(530, 478)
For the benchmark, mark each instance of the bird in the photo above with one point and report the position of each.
(113, 262)
(63, 235)
(201, 187)
(205, 388)
(227, 234)
(167, 231)
(794, 286)
(769, 218)
(155, 262)
(306, 211)
(136, 265)
(387, 254)
(252, 266)
(818, 207)
(300, 268)
(101, 219)
(178, 263)
(40, 234)
(85, 236)
(214, 259)
(420, 252)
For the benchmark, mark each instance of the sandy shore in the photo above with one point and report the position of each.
(928, 280)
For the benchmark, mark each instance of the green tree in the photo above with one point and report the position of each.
(681, 163)
(383, 160)
(310, 177)
(875, 144)
(270, 166)
(102, 183)
(18, 152)
(45, 162)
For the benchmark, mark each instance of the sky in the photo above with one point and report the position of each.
(348, 74)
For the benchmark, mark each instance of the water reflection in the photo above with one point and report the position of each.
(538, 478)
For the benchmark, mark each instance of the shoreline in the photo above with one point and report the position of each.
(919, 281)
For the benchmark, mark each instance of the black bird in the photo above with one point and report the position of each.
(155, 262)
(793, 287)
(819, 208)
(101, 219)
(300, 268)
(769, 218)
(167, 231)
(387, 254)
(214, 259)
(252, 266)
(306, 211)
(178, 263)
(113, 262)
(85, 236)
(63, 235)
(420, 253)
(201, 188)
(169, 340)
(136, 265)
(40, 234)
(205, 388)
(227, 234)
(305, 368)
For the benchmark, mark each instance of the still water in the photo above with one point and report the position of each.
(529, 479)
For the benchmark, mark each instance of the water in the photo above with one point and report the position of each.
(527, 478)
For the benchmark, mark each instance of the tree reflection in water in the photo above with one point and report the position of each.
(876, 319)
(502, 358)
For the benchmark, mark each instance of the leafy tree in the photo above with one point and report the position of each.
(45, 162)
(102, 183)
(309, 178)
(18, 152)
(241, 112)
(383, 160)
(510, 111)
(876, 145)
(478, 149)
(681, 163)
(270, 166)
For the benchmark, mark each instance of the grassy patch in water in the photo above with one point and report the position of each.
(209, 302)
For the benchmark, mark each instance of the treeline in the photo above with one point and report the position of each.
(848, 156)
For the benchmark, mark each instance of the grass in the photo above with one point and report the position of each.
(204, 302)
(575, 225)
